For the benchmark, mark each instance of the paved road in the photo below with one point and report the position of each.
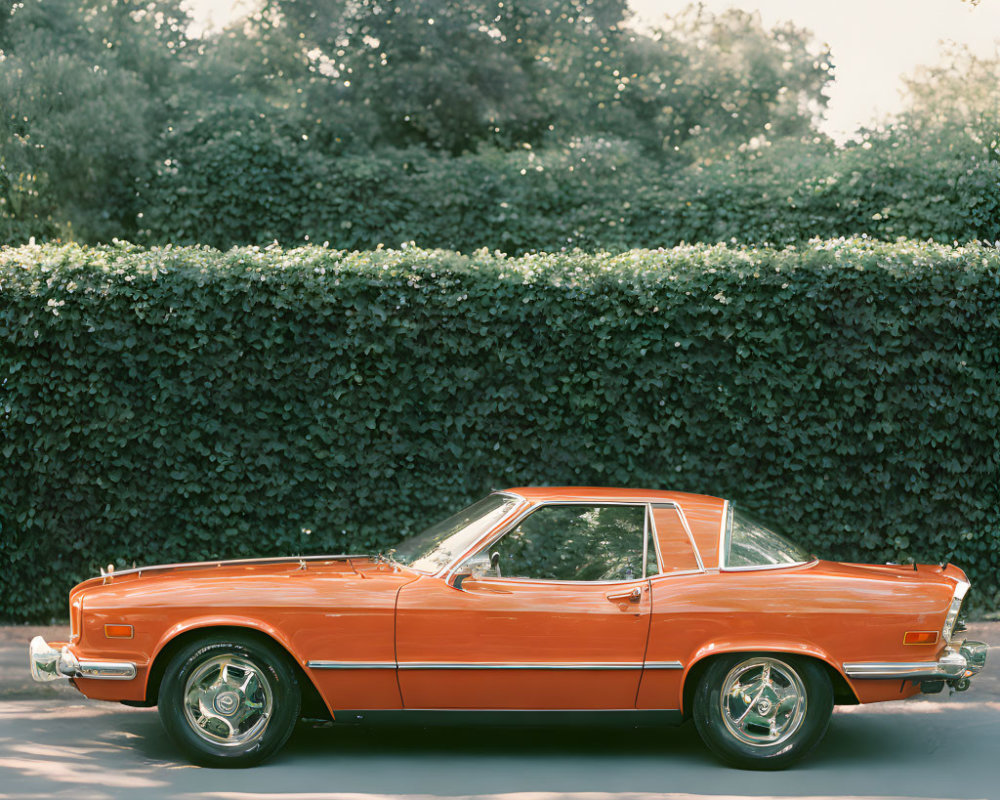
(54, 743)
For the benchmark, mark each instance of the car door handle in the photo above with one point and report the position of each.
(631, 596)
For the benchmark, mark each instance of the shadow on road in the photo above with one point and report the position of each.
(95, 750)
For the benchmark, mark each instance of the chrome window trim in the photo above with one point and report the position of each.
(771, 566)
(656, 541)
(647, 518)
(694, 545)
(521, 501)
(690, 536)
(680, 572)
(723, 527)
(511, 517)
(504, 527)
(727, 527)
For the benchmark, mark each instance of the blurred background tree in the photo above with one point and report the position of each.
(519, 124)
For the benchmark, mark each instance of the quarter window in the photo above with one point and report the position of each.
(753, 543)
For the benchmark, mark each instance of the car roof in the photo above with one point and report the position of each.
(537, 494)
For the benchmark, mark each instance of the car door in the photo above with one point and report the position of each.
(553, 614)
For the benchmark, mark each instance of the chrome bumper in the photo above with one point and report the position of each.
(49, 664)
(952, 666)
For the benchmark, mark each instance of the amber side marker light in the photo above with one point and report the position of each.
(920, 637)
(125, 631)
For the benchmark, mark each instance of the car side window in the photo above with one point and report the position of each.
(570, 543)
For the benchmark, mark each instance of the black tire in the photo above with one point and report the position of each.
(767, 720)
(229, 700)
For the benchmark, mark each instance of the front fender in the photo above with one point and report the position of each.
(224, 621)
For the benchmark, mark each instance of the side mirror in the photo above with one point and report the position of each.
(473, 567)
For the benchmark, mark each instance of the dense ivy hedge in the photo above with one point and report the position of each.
(256, 185)
(183, 403)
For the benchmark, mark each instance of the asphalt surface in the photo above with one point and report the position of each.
(54, 743)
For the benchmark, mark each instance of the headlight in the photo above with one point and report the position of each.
(953, 610)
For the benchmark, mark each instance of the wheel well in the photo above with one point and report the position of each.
(843, 695)
(312, 704)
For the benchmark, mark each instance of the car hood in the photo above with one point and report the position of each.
(263, 573)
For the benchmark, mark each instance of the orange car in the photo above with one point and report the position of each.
(553, 603)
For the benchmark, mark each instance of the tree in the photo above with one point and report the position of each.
(79, 85)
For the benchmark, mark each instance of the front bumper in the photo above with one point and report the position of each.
(953, 665)
(50, 664)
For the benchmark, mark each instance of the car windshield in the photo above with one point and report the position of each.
(440, 544)
(754, 543)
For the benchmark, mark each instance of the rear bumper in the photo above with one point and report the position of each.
(50, 664)
(969, 659)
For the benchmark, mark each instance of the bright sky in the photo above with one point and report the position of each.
(874, 42)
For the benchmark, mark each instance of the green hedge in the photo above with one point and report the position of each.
(258, 184)
(181, 403)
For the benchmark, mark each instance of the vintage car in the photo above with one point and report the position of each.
(553, 604)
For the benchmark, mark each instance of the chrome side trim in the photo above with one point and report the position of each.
(513, 665)
(530, 665)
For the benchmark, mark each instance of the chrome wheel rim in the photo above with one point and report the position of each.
(763, 701)
(228, 701)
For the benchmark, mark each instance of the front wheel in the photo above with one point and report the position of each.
(229, 701)
(762, 711)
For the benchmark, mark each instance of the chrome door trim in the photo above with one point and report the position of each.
(511, 665)
(523, 665)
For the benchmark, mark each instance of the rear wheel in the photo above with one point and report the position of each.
(763, 711)
(229, 701)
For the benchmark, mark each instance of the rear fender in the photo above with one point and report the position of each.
(757, 645)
